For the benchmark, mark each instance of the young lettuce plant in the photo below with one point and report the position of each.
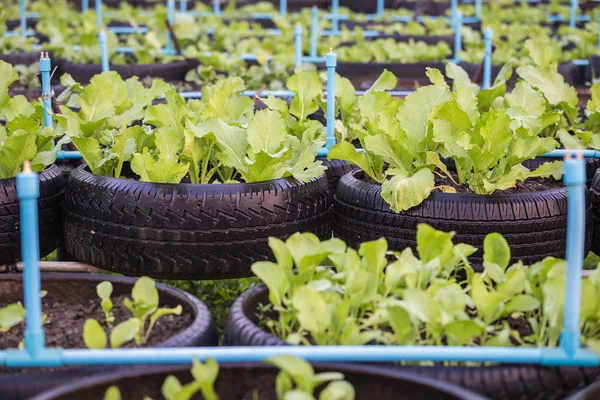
(403, 139)
(143, 306)
(24, 137)
(417, 299)
(296, 380)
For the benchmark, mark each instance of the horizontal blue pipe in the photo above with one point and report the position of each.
(285, 93)
(543, 356)
(562, 153)
(581, 62)
(30, 32)
(127, 29)
(68, 155)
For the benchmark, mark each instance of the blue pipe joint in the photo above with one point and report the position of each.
(27, 186)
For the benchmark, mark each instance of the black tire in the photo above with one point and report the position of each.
(23, 385)
(335, 170)
(257, 380)
(174, 71)
(595, 200)
(25, 58)
(187, 231)
(50, 203)
(534, 224)
(501, 382)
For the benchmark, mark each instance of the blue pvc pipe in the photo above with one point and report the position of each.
(543, 356)
(573, 14)
(85, 5)
(98, 13)
(380, 7)
(314, 31)
(330, 63)
(183, 6)
(171, 19)
(454, 11)
(68, 155)
(23, 17)
(335, 16)
(127, 29)
(574, 177)
(103, 51)
(45, 68)
(217, 8)
(298, 45)
(283, 7)
(458, 36)
(28, 192)
(478, 10)
(487, 59)
(563, 153)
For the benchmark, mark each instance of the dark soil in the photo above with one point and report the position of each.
(68, 307)
(528, 186)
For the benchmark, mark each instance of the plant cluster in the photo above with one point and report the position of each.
(324, 293)
(219, 139)
(24, 136)
(488, 133)
(144, 309)
(295, 380)
(392, 51)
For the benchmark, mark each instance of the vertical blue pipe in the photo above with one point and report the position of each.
(454, 10)
(335, 20)
(573, 18)
(599, 29)
(45, 68)
(574, 177)
(103, 51)
(98, 13)
(458, 36)
(283, 7)
(23, 18)
(28, 193)
(478, 9)
(487, 59)
(85, 5)
(380, 7)
(298, 45)
(216, 8)
(314, 31)
(330, 63)
(183, 6)
(171, 19)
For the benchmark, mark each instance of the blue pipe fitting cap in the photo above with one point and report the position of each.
(102, 36)
(298, 30)
(574, 170)
(330, 60)
(44, 63)
(488, 34)
(27, 183)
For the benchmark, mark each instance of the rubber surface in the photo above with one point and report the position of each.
(174, 71)
(534, 224)
(25, 58)
(335, 170)
(595, 200)
(52, 187)
(201, 332)
(500, 382)
(187, 231)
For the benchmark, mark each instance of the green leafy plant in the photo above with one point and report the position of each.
(390, 50)
(24, 137)
(326, 294)
(488, 134)
(218, 139)
(296, 380)
(144, 310)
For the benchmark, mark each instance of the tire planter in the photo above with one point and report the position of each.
(595, 199)
(82, 73)
(67, 288)
(591, 165)
(500, 382)
(534, 224)
(364, 74)
(50, 203)
(572, 74)
(590, 393)
(34, 94)
(25, 58)
(335, 170)
(241, 381)
(187, 231)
